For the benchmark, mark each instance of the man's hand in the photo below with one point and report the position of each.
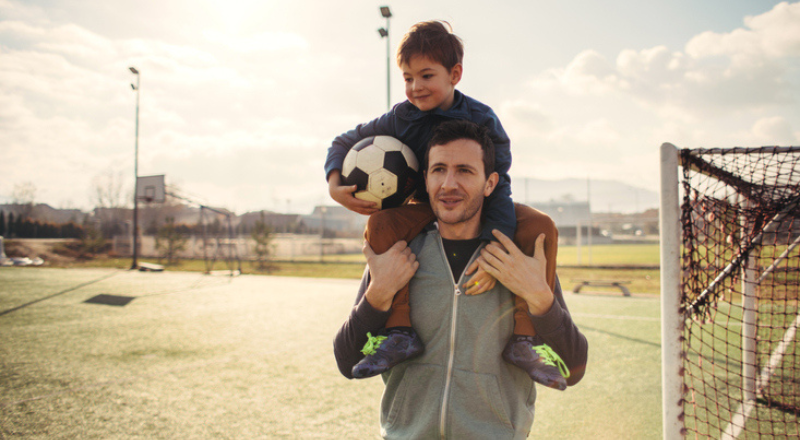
(389, 272)
(479, 283)
(521, 274)
(344, 195)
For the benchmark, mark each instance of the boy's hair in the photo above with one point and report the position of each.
(432, 39)
(457, 129)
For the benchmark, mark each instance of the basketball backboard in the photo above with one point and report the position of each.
(151, 189)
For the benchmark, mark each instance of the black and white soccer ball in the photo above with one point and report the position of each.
(385, 170)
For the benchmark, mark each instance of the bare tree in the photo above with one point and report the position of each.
(109, 197)
(24, 198)
(107, 190)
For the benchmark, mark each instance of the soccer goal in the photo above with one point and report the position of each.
(730, 282)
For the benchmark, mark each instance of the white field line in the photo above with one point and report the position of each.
(740, 417)
(621, 317)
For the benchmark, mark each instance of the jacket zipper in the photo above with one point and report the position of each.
(452, 351)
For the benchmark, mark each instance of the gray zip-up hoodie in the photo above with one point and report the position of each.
(460, 387)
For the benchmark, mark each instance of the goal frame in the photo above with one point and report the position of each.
(672, 317)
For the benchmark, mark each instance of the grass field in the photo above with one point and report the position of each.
(198, 356)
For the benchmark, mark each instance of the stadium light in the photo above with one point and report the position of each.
(135, 172)
(384, 33)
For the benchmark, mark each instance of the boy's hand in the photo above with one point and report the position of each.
(343, 195)
(479, 283)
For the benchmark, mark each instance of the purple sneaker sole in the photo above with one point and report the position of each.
(399, 346)
(519, 352)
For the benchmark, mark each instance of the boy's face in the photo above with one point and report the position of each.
(428, 84)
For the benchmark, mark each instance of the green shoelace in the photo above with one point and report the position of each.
(373, 342)
(552, 358)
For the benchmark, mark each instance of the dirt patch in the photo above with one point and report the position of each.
(54, 252)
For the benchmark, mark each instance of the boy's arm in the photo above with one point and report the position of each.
(383, 125)
(499, 208)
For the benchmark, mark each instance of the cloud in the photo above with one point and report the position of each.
(774, 130)
(605, 117)
(717, 72)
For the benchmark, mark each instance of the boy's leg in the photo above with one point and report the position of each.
(525, 349)
(387, 227)
(530, 224)
(399, 342)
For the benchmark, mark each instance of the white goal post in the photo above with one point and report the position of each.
(671, 330)
(729, 231)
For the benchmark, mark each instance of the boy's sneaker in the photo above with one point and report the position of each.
(384, 352)
(541, 363)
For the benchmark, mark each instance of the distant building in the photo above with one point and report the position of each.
(338, 219)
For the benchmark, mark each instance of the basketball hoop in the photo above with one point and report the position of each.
(151, 189)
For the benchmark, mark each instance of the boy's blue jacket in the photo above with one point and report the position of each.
(415, 128)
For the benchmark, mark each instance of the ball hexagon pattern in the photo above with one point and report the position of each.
(385, 171)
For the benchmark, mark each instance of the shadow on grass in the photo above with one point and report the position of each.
(5, 312)
(620, 336)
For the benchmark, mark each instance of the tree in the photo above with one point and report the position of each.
(24, 197)
(2, 223)
(171, 239)
(262, 234)
(110, 201)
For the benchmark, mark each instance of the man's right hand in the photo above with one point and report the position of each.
(389, 272)
(344, 195)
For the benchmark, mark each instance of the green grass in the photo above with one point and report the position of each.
(610, 255)
(199, 356)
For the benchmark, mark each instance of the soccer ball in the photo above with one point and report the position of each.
(385, 170)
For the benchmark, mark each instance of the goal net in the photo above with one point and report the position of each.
(732, 328)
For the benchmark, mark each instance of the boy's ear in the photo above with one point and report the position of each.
(455, 74)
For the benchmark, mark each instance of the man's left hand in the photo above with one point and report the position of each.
(521, 274)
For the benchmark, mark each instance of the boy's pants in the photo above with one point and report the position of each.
(387, 227)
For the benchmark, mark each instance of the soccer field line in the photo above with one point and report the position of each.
(620, 317)
(739, 419)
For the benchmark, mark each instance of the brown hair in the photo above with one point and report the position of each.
(457, 129)
(432, 39)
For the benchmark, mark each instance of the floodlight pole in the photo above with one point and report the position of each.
(384, 32)
(134, 263)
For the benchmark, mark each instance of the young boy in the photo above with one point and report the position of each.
(430, 57)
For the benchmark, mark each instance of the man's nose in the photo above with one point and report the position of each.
(449, 180)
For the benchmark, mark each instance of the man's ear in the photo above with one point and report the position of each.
(491, 184)
(455, 74)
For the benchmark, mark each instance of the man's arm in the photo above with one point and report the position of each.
(558, 330)
(385, 275)
(353, 333)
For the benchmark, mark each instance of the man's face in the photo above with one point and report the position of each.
(429, 85)
(456, 182)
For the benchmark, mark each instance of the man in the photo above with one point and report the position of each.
(459, 387)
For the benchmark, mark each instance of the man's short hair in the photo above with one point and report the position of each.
(434, 40)
(457, 129)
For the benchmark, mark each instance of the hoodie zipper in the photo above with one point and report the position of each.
(452, 352)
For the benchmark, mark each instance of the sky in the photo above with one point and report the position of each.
(240, 99)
